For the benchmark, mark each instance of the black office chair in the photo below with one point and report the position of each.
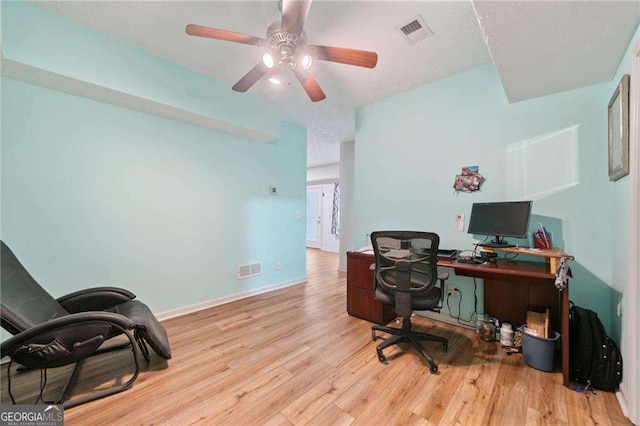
(406, 272)
(50, 332)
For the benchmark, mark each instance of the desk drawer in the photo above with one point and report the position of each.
(361, 304)
(358, 273)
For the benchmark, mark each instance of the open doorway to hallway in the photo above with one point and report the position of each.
(322, 217)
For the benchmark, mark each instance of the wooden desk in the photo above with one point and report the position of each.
(510, 289)
(360, 300)
(551, 256)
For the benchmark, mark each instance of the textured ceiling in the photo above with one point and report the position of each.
(540, 48)
(158, 27)
(536, 46)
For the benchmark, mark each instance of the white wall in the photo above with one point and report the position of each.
(347, 156)
(629, 393)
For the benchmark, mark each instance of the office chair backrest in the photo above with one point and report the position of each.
(406, 264)
(24, 303)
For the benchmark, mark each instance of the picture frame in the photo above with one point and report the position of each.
(618, 112)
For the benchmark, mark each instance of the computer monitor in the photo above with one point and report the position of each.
(504, 219)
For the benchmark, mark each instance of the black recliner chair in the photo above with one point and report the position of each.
(406, 272)
(50, 332)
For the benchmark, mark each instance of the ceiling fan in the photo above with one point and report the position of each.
(285, 48)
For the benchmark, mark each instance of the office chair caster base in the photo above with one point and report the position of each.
(373, 335)
(381, 357)
(433, 368)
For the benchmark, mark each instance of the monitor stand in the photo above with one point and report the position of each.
(497, 243)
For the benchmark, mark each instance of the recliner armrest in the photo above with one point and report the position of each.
(94, 299)
(64, 340)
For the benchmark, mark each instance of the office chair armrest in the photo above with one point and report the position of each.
(442, 277)
(94, 299)
(64, 340)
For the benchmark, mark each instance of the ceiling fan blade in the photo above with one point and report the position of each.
(294, 14)
(310, 85)
(359, 58)
(250, 78)
(200, 31)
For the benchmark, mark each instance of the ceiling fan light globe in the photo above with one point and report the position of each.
(267, 60)
(307, 60)
(274, 80)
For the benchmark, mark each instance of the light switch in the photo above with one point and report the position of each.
(459, 226)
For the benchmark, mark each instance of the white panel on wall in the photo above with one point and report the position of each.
(542, 166)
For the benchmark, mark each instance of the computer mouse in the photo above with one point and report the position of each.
(468, 258)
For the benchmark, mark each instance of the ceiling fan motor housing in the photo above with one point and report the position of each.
(285, 43)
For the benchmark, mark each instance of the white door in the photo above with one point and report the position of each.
(314, 216)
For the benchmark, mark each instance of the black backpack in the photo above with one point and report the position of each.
(594, 358)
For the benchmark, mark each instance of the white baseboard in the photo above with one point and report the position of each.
(447, 318)
(342, 268)
(226, 299)
(622, 400)
(330, 249)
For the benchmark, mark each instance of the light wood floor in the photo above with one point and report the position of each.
(294, 356)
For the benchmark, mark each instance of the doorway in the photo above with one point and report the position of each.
(314, 216)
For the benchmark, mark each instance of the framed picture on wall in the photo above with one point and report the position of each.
(619, 130)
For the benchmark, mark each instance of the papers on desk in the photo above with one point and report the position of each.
(368, 250)
(397, 254)
(391, 253)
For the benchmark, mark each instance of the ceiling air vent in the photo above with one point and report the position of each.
(415, 30)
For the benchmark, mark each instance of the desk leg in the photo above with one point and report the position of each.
(565, 336)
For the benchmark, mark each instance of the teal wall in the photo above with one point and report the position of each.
(619, 220)
(409, 147)
(95, 194)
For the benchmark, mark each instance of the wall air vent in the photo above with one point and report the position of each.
(414, 30)
(249, 270)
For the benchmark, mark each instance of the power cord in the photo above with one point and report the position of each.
(474, 252)
(475, 246)
(475, 304)
(43, 384)
(510, 258)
